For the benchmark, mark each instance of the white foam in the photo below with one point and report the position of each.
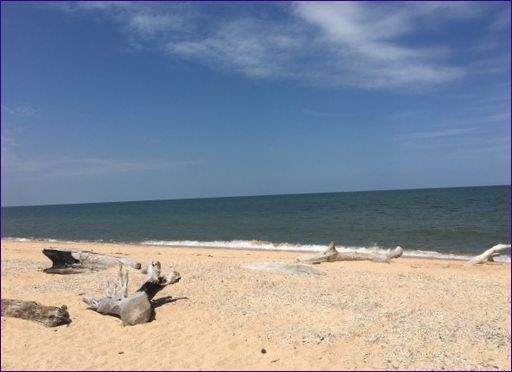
(273, 246)
(266, 245)
(237, 244)
(39, 240)
(19, 239)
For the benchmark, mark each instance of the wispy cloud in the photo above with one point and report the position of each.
(326, 114)
(7, 142)
(239, 44)
(359, 44)
(449, 132)
(494, 145)
(73, 166)
(365, 37)
(483, 107)
(486, 45)
(21, 110)
(502, 116)
(501, 21)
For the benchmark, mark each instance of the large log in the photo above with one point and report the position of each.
(489, 254)
(75, 262)
(136, 308)
(331, 254)
(50, 316)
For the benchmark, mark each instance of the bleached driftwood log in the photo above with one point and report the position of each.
(75, 262)
(331, 254)
(50, 316)
(489, 254)
(137, 307)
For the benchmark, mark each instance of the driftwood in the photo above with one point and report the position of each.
(50, 316)
(284, 268)
(75, 262)
(331, 254)
(137, 307)
(489, 254)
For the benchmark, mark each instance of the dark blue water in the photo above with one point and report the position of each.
(457, 220)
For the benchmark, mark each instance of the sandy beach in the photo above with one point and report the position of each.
(409, 314)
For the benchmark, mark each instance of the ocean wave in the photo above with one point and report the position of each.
(276, 246)
(21, 239)
(266, 245)
(237, 244)
(48, 240)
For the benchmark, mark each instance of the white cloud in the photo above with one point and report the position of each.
(153, 23)
(74, 6)
(357, 44)
(365, 39)
(21, 110)
(240, 45)
(501, 21)
(7, 142)
(486, 46)
(449, 132)
(326, 114)
(502, 116)
(72, 166)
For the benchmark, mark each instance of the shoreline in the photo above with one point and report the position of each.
(285, 247)
(409, 314)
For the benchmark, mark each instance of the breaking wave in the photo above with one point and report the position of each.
(266, 245)
(274, 246)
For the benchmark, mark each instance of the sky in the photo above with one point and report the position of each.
(115, 101)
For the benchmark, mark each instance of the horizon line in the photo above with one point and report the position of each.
(246, 196)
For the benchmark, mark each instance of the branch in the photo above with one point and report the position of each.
(331, 255)
(488, 255)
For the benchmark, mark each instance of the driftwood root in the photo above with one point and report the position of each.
(136, 308)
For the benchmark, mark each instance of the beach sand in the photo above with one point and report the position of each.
(409, 314)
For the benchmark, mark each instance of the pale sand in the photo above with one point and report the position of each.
(410, 314)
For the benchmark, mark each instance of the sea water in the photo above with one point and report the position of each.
(445, 222)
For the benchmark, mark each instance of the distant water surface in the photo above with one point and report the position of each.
(456, 221)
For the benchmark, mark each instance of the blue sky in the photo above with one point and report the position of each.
(132, 101)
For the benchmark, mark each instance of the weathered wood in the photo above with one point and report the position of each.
(328, 255)
(488, 255)
(331, 254)
(137, 307)
(50, 316)
(75, 262)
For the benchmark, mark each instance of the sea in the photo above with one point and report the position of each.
(450, 223)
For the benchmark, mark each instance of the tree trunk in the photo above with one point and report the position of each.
(331, 254)
(137, 307)
(489, 254)
(75, 262)
(50, 316)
